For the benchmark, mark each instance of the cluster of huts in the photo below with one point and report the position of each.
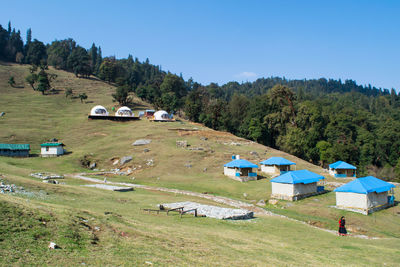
(364, 195)
(125, 113)
(48, 149)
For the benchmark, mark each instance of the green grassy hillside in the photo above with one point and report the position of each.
(107, 228)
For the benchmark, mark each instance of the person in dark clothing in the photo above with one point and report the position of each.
(342, 226)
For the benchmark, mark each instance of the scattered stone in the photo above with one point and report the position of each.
(2, 114)
(129, 171)
(205, 169)
(203, 138)
(254, 153)
(141, 142)
(150, 162)
(146, 150)
(188, 165)
(245, 194)
(96, 228)
(27, 251)
(125, 159)
(92, 165)
(46, 176)
(53, 245)
(110, 187)
(273, 201)
(212, 211)
(234, 144)
(116, 162)
(182, 144)
(196, 148)
(50, 181)
(261, 203)
(148, 262)
(316, 199)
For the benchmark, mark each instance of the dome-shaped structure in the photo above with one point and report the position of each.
(99, 111)
(124, 112)
(161, 115)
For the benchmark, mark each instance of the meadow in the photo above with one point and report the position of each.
(99, 227)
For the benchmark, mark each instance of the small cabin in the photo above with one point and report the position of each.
(365, 195)
(341, 169)
(149, 113)
(14, 150)
(52, 149)
(241, 170)
(276, 165)
(295, 185)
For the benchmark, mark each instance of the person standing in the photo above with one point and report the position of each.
(342, 226)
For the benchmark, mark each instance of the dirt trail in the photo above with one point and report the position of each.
(223, 200)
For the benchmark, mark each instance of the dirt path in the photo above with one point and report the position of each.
(223, 200)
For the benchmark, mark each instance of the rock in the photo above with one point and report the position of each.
(196, 148)
(273, 201)
(96, 228)
(150, 162)
(148, 262)
(2, 114)
(203, 138)
(92, 165)
(245, 194)
(205, 169)
(254, 153)
(116, 162)
(129, 171)
(125, 159)
(182, 144)
(141, 142)
(188, 165)
(146, 150)
(53, 245)
(261, 203)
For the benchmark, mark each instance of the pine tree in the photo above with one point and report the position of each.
(28, 37)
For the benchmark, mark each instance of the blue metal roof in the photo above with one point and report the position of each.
(277, 161)
(297, 177)
(240, 163)
(342, 165)
(365, 185)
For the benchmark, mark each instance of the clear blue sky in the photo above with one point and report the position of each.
(220, 41)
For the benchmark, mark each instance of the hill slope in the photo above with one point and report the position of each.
(126, 234)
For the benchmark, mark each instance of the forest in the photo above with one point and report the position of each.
(319, 120)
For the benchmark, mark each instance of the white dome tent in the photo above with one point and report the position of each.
(99, 111)
(124, 112)
(161, 115)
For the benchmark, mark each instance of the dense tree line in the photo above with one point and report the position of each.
(318, 120)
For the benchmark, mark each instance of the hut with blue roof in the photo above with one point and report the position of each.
(276, 165)
(342, 169)
(52, 149)
(241, 169)
(365, 195)
(295, 185)
(14, 150)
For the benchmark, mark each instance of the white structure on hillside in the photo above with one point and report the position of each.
(341, 169)
(52, 149)
(276, 165)
(295, 185)
(161, 115)
(99, 111)
(241, 169)
(364, 195)
(124, 112)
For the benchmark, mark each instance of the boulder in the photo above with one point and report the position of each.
(261, 203)
(141, 142)
(92, 165)
(182, 144)
(273, 201)
(125, 159)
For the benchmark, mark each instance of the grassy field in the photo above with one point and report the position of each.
(69, 214)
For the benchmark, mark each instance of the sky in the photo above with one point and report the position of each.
(221, 40)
